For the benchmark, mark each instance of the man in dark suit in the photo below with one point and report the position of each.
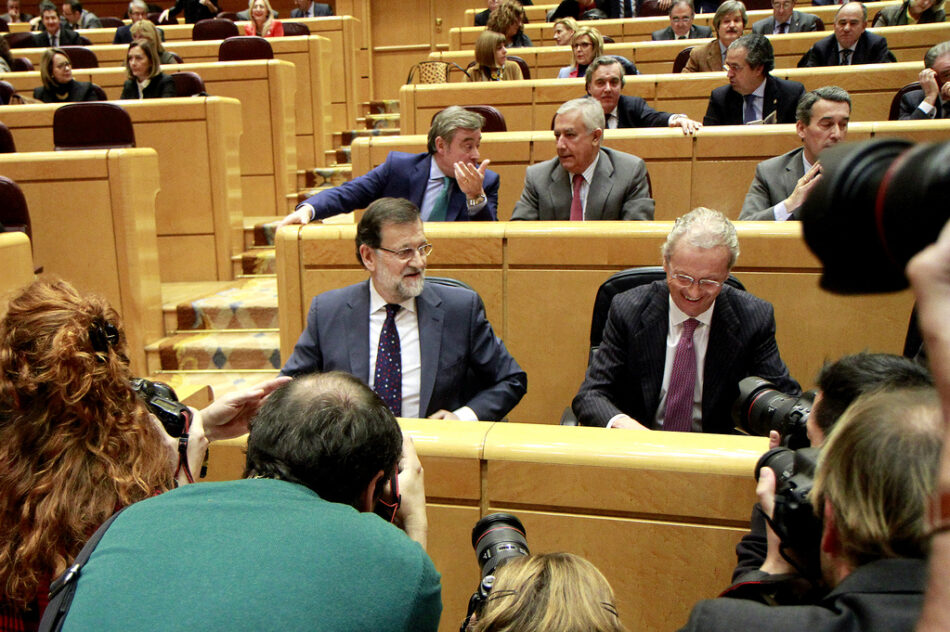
(673, 352)
(13, 14)
(138, 10)
(785, 20)
(932, 101)
(782, 184)
(850, 44)
(605, 79)
(681, 24)
(55, 33)
(447, 183)
(585, 181)
(308, 9)
(753, 95)
(427, 349)
(875, 481)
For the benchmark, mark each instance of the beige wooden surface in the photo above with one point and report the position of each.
(16, 261)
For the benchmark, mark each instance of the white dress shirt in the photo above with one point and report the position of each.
(780, 211)
(588, 176)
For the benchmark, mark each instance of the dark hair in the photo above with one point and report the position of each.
(48, 6)
(824, 93)
(75, 5)
(843, 381)
(603, 60)
(5, 52)
(381, 212)
(151, 52)
(758, 51)
(689, 3)
(328, 432)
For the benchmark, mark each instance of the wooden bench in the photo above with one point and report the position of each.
(16, 261)
(908, 43)
(539, 279)
(685, 171)
(93, 216)
(198, 211)
(670, 523)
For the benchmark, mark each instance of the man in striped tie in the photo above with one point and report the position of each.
(674, 351)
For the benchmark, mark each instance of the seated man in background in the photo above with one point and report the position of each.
(875, 477)
(753, 94)
(447, 183)
(310, 9)
(785, 19)
(681, 24)
(79, 18)
(728, 24)
(585, 181)
(138, 10)
(426, 348)
(292, 546)
(781, 184)
(605, 80)
(674, 351)
(13, 14)
(932, 101)
(850, 44)
(54, 34)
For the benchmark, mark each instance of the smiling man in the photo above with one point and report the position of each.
(728, 24)
(850, 44)
(447, 183)
(53, 34)
(585, 181)
(425, 348)
(681, 24)
(674, 351)
(753, 95)
(782, 183)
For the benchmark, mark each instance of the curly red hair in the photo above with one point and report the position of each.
(75, 441)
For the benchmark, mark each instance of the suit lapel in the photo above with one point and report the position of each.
(357, 337)
(770, 99)
(560, 193)
(431, 318)
(600, 187)
(723, 348)
(794, 169)
(650, 344)
(419, 180)
(860, 50)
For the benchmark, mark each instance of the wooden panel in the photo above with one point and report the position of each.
(16, 261)
(186, 257)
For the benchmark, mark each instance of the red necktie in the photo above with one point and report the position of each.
(679, 397)
(577, 209)
(387, 381)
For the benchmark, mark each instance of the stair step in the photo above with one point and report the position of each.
(346, 137)
(259, 230)
(380, 122)
(221, 382)
(380, 106)
(329, 176)
(343, 155)
(231, 350)
(259, 260)
(249, 303)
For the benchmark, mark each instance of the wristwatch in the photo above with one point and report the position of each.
(478, 201)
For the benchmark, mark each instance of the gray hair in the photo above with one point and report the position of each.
(603, 60)
(452, 118)
(727, 7)
(592, 112)
(704, 228)
(864, 10)
(824, 93)
(935, 52)
(138, 4)
(689, 3)
(758, 51)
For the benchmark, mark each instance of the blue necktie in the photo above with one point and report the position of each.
(748, 114)
(387, 380)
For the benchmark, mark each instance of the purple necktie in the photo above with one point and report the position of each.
(679, 397)
(387, 380)
(577, 208)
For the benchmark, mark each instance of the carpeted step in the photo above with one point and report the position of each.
(221, 382)
(380, 121)
(343, 155)
(346, 137)
(248, 303)
(259, 260)
(259, 231)
(381, 106)
(221, 350)
(329, 176)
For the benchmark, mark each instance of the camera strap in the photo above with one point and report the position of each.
(183, 448)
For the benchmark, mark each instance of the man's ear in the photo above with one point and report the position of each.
(598, 134)
(439, 145)
(368, 255)
(367, 497)
(830, 539)
(800, 128)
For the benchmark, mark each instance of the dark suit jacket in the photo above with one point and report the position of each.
(463, 362)
(626, 372)
(404, 176)
(572, 9)
(695, 31)
(160, 87)
(910, 109)
(319, 10)
(67, 37)
(870, 49)
(481, 18)
(881, 596)
(775, 179)
(619, 189)
(781, 96)
(897, 15)
(799, 23)
(78, 91)
(123, 34)
(194, 10)
(634, 112)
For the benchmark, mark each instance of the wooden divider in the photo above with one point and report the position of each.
(685, 171)
(908, 43)
(344, 63)
(644, 517)
(550, 272)
(93, 216)
(198, 212)
(16, 261)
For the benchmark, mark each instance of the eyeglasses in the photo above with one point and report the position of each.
(583, 45)
(407, 253)
(689, 19)
(704, 284)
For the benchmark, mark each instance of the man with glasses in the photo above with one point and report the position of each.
(681, 24)
(785, 19)
(447, 183)
(674, 351)
(138, 10)
(427, 349)
(850, 44)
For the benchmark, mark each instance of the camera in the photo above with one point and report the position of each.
(877, 205)
(496, 538)
(760, 408)
(161, 401)
(794, 520)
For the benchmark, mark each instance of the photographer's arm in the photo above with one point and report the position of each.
(411, 515)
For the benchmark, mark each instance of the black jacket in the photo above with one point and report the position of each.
(781, 97)
(161, 86)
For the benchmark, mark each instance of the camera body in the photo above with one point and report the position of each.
(161, 401)
(761, 407)
(496, 538)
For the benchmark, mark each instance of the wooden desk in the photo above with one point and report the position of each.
(16, 261)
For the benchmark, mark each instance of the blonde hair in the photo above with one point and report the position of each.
(595, 38)
(268, 21)
(151, 53)
(485, 47)
(147, 29)
(552, 592)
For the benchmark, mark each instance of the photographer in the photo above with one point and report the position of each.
(552, 592)
(76, 441)
(875, 476)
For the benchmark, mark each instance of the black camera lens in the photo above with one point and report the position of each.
(497, 538)
(761, 408)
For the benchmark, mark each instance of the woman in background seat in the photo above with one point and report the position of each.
(491, 57)
(56, 72)
(146, 79)
(262, 21)
(145, 30)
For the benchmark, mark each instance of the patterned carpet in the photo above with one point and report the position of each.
(253, 305)
(225, 351)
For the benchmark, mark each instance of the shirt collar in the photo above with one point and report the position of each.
(677, 317)
(589, 171)
(435, 173)
(378, 303)
(760, 91)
